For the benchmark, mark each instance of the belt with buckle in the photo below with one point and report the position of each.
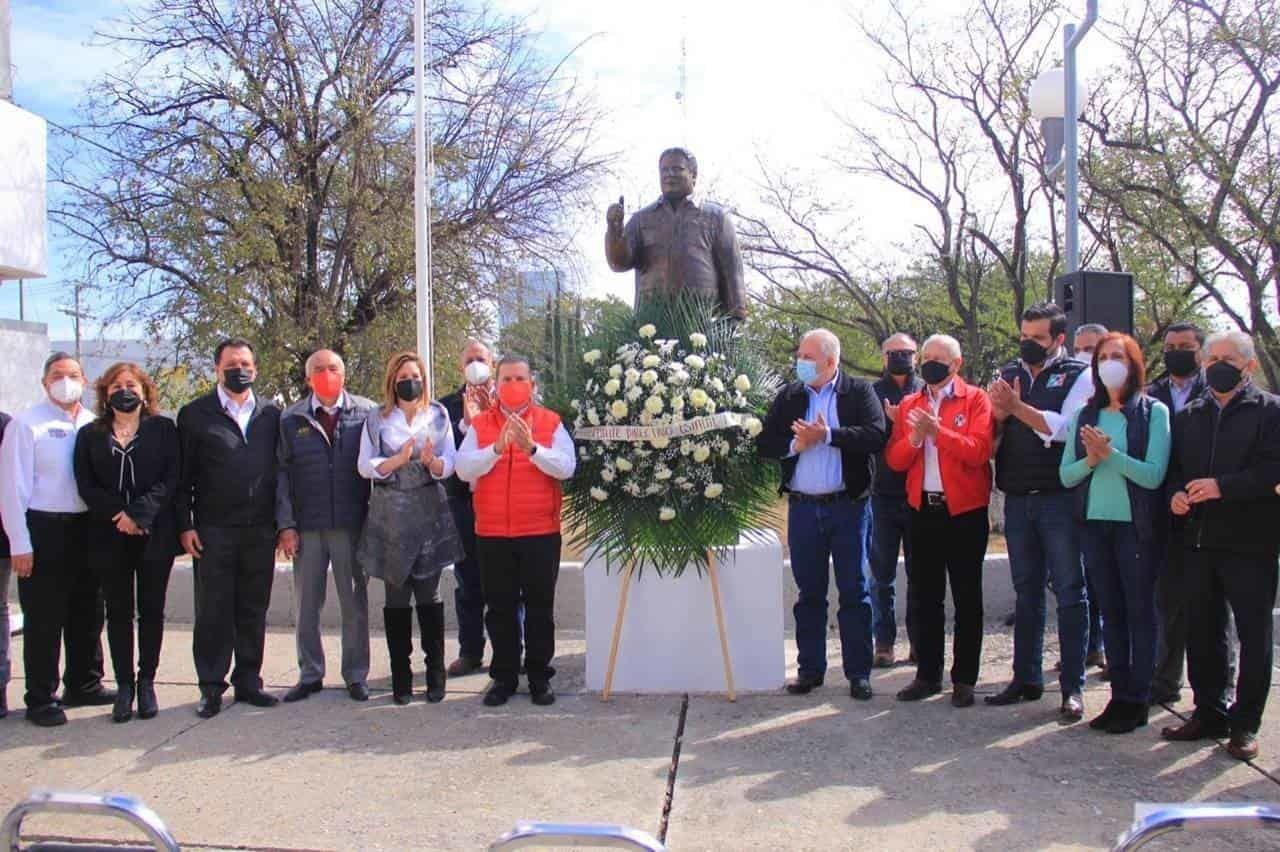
(933, 498)
(797, 497)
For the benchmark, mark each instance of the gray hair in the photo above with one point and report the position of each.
(1090, 328)
(946, 341)
(828, 343)
(897, 335)
(683, 152)
(306, 368)
(55, 358)
(1242, 342)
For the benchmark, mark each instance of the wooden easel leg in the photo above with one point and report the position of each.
(617, 631)
(714, 572)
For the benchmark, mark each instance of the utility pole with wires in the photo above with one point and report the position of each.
(682, 89)
(76, 314)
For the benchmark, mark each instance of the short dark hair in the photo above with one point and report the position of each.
(683, 152)
(1050, 311)
(232, 343)
(1187, 326)
(509, 360)
(60, 355)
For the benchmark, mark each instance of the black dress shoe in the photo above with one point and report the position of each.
(961, 695)
(1129, 719)
(918, 690)
(256, 698)
(498, 694)
(210, 705)
(48, 716)
(542, 694)
(861, 690)
(148, 707)
(300, 690)
(98, 698)
(123, 709)
(804, 684)
(1071, 711)
(1100, 722)
(1013, 693)
(1194, 729)
(4, 704)
(358, 691)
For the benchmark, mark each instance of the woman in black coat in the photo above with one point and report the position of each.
(126, 466)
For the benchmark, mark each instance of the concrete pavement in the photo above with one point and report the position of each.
(770, 771)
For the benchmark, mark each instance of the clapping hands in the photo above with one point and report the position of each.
(1097, 445)
(809, 435)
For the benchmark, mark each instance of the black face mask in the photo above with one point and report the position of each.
(1032, 352)
(1180, 362)
(934, 372)
(900, 364)
(237, 379)
(409, 390)
(1223, 376)
(124, 400)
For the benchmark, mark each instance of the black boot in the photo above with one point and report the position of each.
(148, 707)
(431, 625)
(399, 627)
(122, 711)
(1132, 716)
(1103, 719)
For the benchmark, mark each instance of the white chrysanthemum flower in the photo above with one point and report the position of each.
(660, 443)
(646, 419)
(687, 486)
(754, 426)
(618, 409)
(666, 513)
(615, 370)
(593, 417)
(647, 330)
(632, 488)
(701, 453)
(653, 405)
(599, 494)
(623, 464)
(648, 378)
(631, 376)
(634, 393)
(666, 347)
(742, 383)
(694, 362)
(611, 387)
(686, 447)
(650, 361)
(713, 490)
(711, 407)
(662, 472)
(654, 488)
(698, 340)
(592, 356)
(583, 452)
(678, 376)
(575, 405)
(607, 474)
(698, 397)
(659, 389)
(677, 403)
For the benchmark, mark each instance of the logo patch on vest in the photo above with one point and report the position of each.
(1056, 381)
(304, 430)
(958, 422)
(58, 432)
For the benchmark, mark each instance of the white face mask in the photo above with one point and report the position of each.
(1113, 374)
(66, 390)
(477, 373)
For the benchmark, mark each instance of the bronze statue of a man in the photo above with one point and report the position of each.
(678, 243)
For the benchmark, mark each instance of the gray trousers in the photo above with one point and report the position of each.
(4, 625)
(317, 551)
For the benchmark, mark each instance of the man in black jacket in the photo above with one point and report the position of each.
(890, 514)
(825, 430)
(226, 514)
(474, 396)
(1225, 465)
(321, 501)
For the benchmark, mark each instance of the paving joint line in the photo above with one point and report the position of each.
(1220, 744)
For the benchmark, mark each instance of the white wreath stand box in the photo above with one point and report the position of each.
(669, 637)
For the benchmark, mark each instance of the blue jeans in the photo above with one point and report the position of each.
(468, 594)
(1097, 631)
(820, 534)
(890, 527)
(1123, 571)
(1044, 543)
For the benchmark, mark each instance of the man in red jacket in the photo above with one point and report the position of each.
(942, 440)
(515, 456)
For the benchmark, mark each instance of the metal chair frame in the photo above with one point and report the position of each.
(123, 808)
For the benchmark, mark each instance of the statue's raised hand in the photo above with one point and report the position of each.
(614, 215)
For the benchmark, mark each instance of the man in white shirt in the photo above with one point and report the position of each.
(47, 522)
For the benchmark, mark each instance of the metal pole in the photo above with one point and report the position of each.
(6, 68)
(421, 187)
(1070, 41)
(22, 300)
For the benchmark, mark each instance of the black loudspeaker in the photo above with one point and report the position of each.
(1090, 296)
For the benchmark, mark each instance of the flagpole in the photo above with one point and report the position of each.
(421, 187)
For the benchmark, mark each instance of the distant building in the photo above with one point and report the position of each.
(525, 293)
(155, 356)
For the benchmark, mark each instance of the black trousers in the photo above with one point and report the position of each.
(513, 570)
(126, 573)
(233, 588)
(943, 546)
(1247, 583)
(60, 600)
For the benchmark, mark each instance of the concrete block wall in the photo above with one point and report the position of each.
(23, 348)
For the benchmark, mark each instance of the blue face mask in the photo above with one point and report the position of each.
(806, 370)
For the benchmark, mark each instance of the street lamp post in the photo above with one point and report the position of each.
(421, 185)
(1055, 100)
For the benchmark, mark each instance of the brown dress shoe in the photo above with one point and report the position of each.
(464, 666)
(1243, 746)
(883, 658)
(1193, 729)
(961, 695)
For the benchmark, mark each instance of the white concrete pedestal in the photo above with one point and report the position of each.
(669, 640)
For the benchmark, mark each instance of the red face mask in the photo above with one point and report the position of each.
(327, 384)
(515, 395)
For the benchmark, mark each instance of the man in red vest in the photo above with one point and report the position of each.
(515, 456)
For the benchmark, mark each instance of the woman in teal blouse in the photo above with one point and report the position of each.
(1115, 458)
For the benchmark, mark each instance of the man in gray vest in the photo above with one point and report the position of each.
(1033, 402)
(321, 501)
